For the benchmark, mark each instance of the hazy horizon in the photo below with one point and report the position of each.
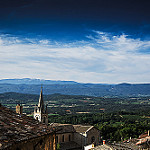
(73, 81)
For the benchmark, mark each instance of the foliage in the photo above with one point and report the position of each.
(58, 146)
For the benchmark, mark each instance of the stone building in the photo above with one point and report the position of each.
(65, 136)
(40, 112)
(75, 137)
(20, 132)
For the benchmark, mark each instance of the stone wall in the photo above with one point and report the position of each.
(46, 142)
(64, 137)
(90, 137)
(93, 136)
(79, 139)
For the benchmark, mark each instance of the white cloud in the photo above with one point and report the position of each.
(104, 59)
(44, 42)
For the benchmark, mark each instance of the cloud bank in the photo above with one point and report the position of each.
(102, 58)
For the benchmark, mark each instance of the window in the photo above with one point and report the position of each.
(44, 120)
(56, 139)
(69, 137)
(92, 139)
(63, 138)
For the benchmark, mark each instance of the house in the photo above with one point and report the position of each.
(20, 132)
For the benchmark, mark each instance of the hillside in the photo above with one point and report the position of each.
(73, 88)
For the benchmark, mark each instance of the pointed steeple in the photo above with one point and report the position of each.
(40, 113)
(41, 102)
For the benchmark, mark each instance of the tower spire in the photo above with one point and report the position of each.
(41, 102)
(40, 113)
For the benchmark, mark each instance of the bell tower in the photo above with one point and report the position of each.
(40, 113)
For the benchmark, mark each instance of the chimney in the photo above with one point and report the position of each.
(103, 142)
(19, 109)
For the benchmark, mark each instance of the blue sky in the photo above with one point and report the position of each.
(92, 41)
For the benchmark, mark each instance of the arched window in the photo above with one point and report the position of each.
(63, 138)
(44, 120)
(56, 139)
(69, 137)
(92, 139)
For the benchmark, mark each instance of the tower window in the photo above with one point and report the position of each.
(44, 120)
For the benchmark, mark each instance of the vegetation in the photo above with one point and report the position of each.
(113, 126)
(116, 118)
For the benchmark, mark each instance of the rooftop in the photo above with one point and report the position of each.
(63, 128)
(15, 128)
(66, 128)
(81, 128)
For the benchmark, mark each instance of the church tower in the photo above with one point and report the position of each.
(40, 113)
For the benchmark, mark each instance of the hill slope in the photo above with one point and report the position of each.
(72, 88)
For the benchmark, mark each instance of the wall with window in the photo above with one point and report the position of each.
(66, 137)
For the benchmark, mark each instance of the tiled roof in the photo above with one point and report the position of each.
(66, 128)
(15, 128)
(143, 140)
(63, 128)
(143, 136)
(81, 128)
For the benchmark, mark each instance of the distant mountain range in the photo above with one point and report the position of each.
(32, 86)
(34, 81)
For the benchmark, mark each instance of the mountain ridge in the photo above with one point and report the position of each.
(73, 88)
(35, 81)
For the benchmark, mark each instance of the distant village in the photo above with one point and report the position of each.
(21, 132)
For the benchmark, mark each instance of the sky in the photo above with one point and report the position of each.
(88, 41)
